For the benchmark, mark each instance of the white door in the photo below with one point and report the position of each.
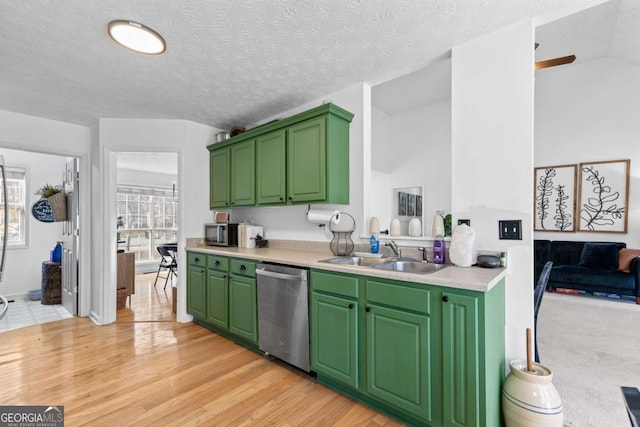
(70, 238)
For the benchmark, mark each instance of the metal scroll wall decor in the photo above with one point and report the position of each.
(598, 203)
(555, 198)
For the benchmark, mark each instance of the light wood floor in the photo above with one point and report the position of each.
(162, 374)
(149, 303)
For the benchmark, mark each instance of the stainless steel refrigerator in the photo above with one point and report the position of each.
(4, 304)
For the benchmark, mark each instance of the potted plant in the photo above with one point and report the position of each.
(57, 199)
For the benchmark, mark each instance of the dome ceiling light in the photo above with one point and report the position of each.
(136, 37)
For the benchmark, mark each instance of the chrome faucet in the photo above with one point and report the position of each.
(394, 248)
(425, 254)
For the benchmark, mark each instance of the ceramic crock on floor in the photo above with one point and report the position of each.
(529, 398)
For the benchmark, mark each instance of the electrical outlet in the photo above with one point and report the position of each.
(510, 229)
(464, 221)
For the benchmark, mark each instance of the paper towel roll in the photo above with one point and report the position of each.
(319, 216)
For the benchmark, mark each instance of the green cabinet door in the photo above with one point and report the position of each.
(242, 174)
(460, 360)
(219, 168)
(196, 292)
(307, 161)
(243, 318)
(334, 338)
(217, 306)
(399, 359)
(270, 168)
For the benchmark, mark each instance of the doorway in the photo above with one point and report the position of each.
(33, 233)
(146, 218)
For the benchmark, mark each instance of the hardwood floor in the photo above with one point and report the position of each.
(149, 303)
(162, 373)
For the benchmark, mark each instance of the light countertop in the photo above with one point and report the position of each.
(471, 278)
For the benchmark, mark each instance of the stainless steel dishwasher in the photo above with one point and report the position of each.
(283, 313)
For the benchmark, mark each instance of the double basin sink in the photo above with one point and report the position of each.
(389, 264)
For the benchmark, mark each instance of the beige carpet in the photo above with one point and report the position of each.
(592, 345)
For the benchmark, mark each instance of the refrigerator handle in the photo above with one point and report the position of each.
(5, 234)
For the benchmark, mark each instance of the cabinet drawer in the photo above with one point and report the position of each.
(196, 259)
(395, 295)
(215, 262)
(243, 267)
(335, 283)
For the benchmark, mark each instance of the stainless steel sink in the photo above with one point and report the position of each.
(355, 260)
(409, 266)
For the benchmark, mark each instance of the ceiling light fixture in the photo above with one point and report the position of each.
(136, 37)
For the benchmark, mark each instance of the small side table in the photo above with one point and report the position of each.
(51, 283)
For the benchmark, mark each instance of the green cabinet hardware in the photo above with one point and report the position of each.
(223, 295)
(300, 159)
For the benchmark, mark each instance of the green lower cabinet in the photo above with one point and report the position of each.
(334, 338)
(429, 355)
(399, 360)
(217, 297)
(223, 296)
(243, 319)
(197, 292)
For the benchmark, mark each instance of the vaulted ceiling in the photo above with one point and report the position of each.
(236, 62)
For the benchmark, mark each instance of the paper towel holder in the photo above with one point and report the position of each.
(307, 214)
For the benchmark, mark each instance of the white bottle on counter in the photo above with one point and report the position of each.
(437, 227)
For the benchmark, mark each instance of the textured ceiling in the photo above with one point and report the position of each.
(237, 62)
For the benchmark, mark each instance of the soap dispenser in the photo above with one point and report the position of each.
(439, 250)
(375, 244)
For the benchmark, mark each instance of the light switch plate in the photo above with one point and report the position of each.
(510, 229)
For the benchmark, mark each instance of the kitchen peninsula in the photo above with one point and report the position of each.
(427, 349)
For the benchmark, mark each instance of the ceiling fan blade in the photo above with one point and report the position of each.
(555, 61)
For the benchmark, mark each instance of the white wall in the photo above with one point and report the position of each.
(585, 112)
(412, 148)
(492, 152)
(146, 178)
(189, 140)
(23, 272)
(22, 132)
(289, 222)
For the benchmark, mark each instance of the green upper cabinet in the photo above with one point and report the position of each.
(243, 174)
(271, 182)
(300, 159)
(307, 161)
(232, 175)
(219, 169)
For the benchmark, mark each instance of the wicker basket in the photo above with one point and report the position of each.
(58, 204)
(121, 301)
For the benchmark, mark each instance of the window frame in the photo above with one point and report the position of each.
(23, 243)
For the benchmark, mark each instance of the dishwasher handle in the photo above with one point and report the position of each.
(284, 276)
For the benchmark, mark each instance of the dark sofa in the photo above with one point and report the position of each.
(591, 269)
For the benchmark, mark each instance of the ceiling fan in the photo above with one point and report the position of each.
(554, 61)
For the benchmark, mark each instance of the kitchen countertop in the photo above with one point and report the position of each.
(471, 278)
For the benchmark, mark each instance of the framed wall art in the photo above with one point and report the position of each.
(604, 196)
(554, 198)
